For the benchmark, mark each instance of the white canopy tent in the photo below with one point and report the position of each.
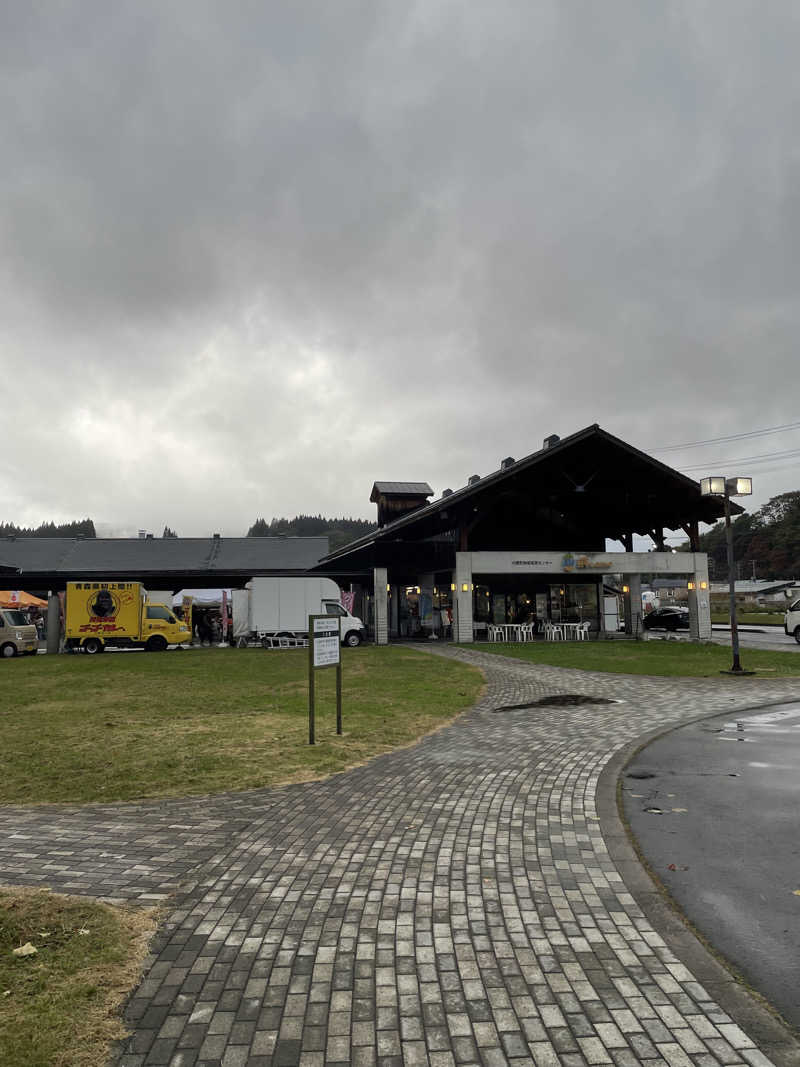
(202, 598)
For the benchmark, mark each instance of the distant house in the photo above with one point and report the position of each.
(770, 594)
(667, 589)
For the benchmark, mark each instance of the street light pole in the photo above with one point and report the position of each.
(736, 668)
(726, 488)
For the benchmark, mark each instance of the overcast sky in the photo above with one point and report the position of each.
(255, 255)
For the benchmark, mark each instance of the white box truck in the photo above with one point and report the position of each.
(271, 610)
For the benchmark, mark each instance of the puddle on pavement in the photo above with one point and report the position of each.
(558, 700)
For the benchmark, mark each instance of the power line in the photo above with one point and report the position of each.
(730, 437)
(762, 458)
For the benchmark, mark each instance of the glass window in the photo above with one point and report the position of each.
(334, 609)
(481, 604)
(557, 593)
(581, 604)
(155, 611)
(16, 618)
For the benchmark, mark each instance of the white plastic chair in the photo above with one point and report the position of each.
(582, 632)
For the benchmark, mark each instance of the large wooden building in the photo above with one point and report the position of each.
(528, 539)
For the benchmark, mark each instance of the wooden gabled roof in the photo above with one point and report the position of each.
(584, 488)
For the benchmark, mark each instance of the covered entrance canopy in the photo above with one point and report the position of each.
(566, 499)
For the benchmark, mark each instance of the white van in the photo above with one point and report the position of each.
(791, 621)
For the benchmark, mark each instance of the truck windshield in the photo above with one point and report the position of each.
(15, 618)
(155, 611)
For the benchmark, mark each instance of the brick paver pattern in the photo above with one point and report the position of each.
(450, 903)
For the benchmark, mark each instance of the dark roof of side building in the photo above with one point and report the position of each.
(52, 561)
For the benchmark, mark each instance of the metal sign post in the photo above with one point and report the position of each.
(324, 650)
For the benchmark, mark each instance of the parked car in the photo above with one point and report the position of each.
(791, 621)
(673, 618)
(17, 635)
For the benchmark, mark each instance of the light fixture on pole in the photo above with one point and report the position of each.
(726, 488)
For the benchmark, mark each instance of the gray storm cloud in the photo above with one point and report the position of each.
(255, 256)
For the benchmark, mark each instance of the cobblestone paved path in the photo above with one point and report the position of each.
(451, 903)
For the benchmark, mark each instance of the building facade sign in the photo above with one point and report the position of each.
(583, 563)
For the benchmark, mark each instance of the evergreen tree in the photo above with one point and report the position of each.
(81, 528)
(338, 531)
(258, 529)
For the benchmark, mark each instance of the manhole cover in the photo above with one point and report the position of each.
(557, 700)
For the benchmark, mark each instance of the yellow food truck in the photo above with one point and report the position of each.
(101, 615)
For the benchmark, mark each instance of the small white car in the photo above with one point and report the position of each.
(791, 621)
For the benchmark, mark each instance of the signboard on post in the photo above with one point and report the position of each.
(324, 650)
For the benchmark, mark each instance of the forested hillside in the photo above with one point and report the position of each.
(766, 544)
(339, 531)
(82, 528)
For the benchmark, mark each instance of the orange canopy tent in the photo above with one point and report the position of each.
(17, 598)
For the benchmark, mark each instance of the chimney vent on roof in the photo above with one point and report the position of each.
(509, 461)
(446, 492)
(398, 499)
(553, 439)
(149, 537)
(216, 537)
(473, 478)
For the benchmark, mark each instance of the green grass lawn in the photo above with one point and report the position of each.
(749, 618)
(660, 658)
(60, 1006)
(122, 726)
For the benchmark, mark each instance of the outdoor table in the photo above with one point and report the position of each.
(510, 630)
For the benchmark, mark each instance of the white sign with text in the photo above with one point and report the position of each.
(325, 638)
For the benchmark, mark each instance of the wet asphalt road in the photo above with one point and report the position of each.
(726, 843)
(772, 638)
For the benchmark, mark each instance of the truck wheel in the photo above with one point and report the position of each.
(157, 643)
(93, 645)
(797, 634)
(8, 651)
(353, 639)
